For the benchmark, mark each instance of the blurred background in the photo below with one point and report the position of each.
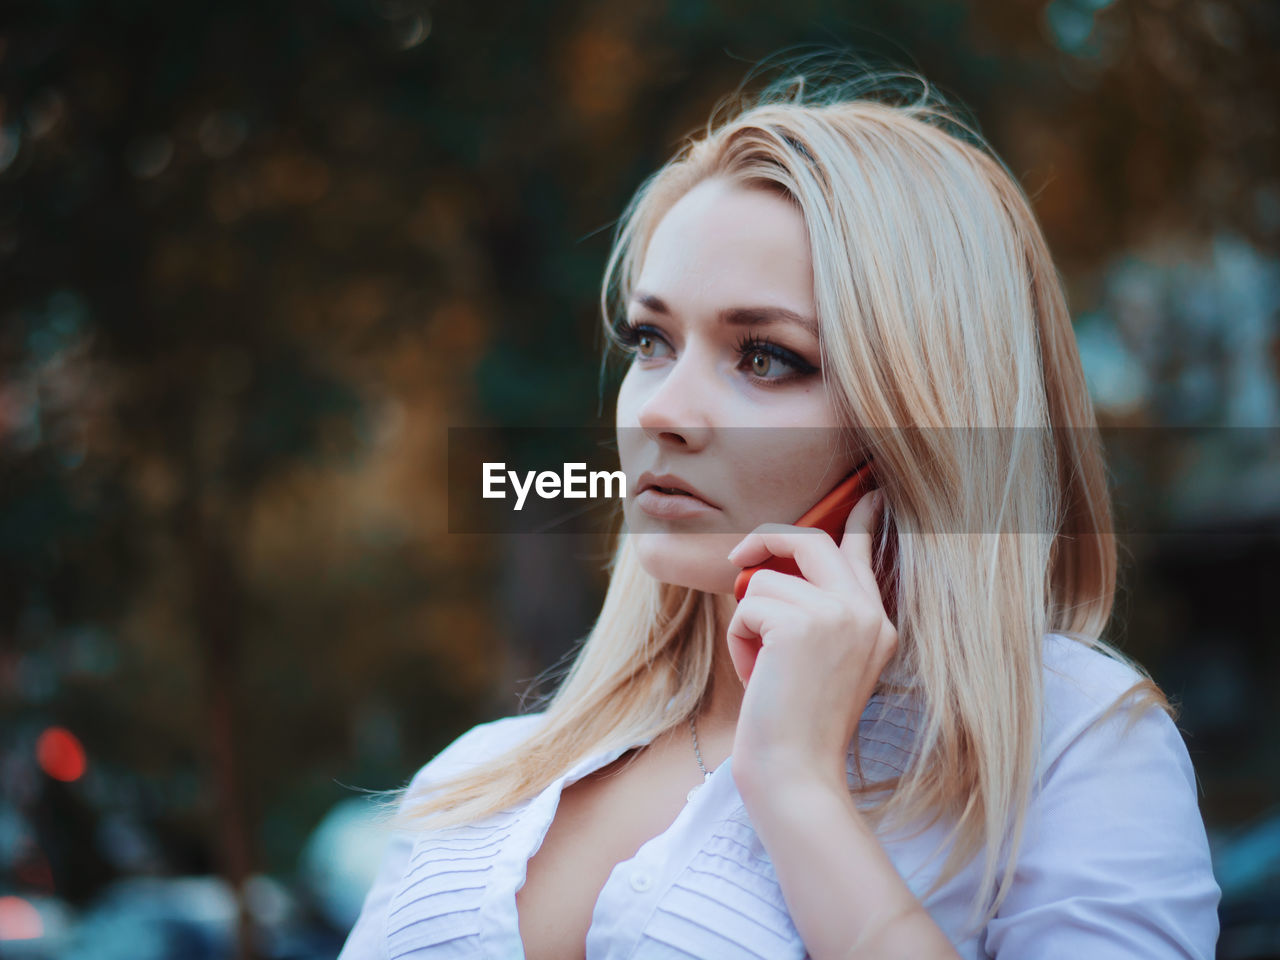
(256, 257)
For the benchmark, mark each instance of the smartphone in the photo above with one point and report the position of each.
(829, 514)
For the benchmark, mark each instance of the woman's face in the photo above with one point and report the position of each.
(724, 395)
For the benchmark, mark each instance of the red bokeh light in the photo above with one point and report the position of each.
(60, 755)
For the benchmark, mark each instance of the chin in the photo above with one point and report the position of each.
(697, 565)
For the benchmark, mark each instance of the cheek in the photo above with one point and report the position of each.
(786, 471)
(626, 430)
(631, 438)
(628, 402)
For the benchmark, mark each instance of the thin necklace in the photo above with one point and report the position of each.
(706, 774)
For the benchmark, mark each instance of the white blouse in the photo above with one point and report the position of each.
(1114, 863)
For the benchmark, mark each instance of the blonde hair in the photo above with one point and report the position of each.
(940, 309)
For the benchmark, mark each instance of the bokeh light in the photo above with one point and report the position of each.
(60, 754)
(19, 920)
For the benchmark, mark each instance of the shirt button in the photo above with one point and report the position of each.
(641, 881)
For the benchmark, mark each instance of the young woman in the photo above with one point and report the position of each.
(920, 747)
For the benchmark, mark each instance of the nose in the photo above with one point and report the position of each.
(677, 411)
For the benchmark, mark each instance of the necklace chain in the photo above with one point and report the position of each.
(693, 722)
(706, 774)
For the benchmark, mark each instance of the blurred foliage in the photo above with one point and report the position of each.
(256, 257)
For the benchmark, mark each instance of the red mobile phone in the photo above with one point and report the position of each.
(829, 514)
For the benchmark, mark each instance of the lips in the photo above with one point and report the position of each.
(668, 484)
(673, 506)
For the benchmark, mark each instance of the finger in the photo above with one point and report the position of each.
(742, 653)
(750, 551)
(856, 542)
(814, 552)
(752, 621)
(776, 585)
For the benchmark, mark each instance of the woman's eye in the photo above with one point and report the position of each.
(646, 345)
(767, 360)
(761, 363)
(641, 341)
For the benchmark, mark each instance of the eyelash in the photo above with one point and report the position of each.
(628, 336)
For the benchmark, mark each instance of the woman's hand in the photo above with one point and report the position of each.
(809, 651)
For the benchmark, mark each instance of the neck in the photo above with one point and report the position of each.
(719, 715)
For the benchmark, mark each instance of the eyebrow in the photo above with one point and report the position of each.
(738, 316)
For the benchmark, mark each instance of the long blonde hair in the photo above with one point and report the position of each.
(943, 324)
